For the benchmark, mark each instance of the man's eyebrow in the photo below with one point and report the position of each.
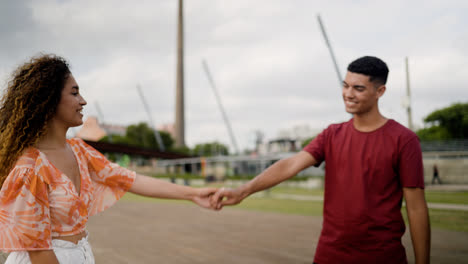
(354, 86)
(76, 87)
(359, 86)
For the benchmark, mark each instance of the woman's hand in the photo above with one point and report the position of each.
(202, 197)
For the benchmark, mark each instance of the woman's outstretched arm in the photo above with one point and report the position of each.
(152, 187)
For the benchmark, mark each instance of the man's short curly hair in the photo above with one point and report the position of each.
(373, 67)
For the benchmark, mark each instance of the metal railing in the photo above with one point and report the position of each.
(445, 145)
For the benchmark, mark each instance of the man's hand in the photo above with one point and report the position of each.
(226, 196)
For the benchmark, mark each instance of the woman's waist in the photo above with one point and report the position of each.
(74, 238)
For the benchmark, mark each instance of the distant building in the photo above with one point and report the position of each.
(279, 145)
(114, 129)
(288, 140)
(94, 131)
(298, 132)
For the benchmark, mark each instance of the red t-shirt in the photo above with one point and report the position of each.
(364, 176)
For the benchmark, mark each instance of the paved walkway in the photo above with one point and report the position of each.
(175, 233)
(180, 233)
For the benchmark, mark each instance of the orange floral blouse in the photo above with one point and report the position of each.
(38, 202)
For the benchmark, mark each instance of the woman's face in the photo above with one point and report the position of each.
(69, 109)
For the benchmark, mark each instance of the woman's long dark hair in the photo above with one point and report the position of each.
(29, 102)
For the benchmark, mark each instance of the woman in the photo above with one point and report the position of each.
(50, 185)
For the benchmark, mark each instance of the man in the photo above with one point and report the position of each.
(371, 163)
(435, 175)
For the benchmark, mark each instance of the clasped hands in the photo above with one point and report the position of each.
(215, 199)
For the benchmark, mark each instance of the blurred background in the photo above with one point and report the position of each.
(268, 59)
(259, 82)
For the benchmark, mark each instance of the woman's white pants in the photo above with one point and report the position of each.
(67, 253)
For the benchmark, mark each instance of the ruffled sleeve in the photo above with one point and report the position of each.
(110, 181)
(24, 212)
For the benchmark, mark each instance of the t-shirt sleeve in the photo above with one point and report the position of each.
(410, 164)
(316, 147)
(24, 212)
(110, 181)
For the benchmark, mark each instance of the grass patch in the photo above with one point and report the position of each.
(449, 219)
(447, 197)
(137, 198)
(431, 196)
(296, 191)
(445, 219)
(263, 204)
(282, 206)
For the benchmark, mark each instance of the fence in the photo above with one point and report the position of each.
(445, 145)
(452, 165)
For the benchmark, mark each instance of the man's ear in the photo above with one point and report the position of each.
(381, 90)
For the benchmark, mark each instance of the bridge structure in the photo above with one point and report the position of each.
(132, 150)
(451, 159)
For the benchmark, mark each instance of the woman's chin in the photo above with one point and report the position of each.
(77, 124)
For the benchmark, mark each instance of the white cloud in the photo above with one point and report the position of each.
(268, 58)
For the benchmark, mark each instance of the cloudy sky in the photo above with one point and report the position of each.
(267, 57)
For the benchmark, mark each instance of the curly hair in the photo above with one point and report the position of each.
(373, 67)
(29, 102)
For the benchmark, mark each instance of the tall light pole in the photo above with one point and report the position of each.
(150, 120)
(332, 54)
(179, 111)
(408, 97)
(221, 108)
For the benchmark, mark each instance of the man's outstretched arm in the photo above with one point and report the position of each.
(418, 217)
(276, 173)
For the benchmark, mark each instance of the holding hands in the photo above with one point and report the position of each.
(278, 172)
(227, 196)
(203, 197)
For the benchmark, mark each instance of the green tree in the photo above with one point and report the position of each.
(182, 150)
(306, 141)
(141, 135)
(446, 123)
(210, 149)
(433, 133)
(114, 138)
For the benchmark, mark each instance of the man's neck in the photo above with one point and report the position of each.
(369, 122)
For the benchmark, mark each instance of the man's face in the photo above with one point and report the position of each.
(359, 94)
